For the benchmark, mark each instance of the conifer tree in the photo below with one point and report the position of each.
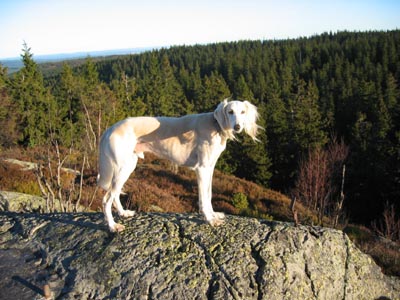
(173, 91)
(277, 131)
(242, 90)
(125, 88)
(8, 117)
(215, 89)
(306, 118)
(161, 91)
(99, 105)
(195, 88)
(36, 105)
(70, 107)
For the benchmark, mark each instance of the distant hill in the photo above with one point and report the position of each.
(15, 63)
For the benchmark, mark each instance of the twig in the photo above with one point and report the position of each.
(294, 211)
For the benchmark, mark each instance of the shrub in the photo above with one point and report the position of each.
(30, 187)
(239, 201)
(255, 213)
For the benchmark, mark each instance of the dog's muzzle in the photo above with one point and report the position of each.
(237, 127)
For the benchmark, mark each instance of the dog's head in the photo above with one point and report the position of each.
(235, 116)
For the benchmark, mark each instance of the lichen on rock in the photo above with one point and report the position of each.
(179, 256)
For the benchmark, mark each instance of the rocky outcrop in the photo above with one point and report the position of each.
(22, 203)
(171, 256)
(19, 202)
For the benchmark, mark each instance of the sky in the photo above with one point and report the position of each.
(54, 27)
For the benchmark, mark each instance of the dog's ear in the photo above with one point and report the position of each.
(220, 115)
(250, 125)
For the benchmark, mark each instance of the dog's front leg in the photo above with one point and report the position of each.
(204, 181)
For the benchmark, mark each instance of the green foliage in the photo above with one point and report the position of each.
(254, 213)
(162, 93)
(35, 104)
(8, 121)
(306, 124)
(239, 201)
(30, 187)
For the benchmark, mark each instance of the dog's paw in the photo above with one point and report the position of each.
(219, 215)
(216, 222)
(127, 213)
(218, 219)
(117, 228)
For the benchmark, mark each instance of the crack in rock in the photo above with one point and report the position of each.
(216, 270)
(309, 276)
(346, 265)
(260, 262)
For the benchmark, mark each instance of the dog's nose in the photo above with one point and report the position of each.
(236, 127)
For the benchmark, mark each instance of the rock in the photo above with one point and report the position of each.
(29, 166)
(25, 165)
(179, 256)
(19, 202)
(22, 203)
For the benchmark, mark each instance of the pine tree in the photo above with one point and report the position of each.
(173, 91)
(277, 131)
(125, 89)
(100, 107)
(70, 107)
(215, 90)
(161, 91)
(8, 117)
(195, 88)
(36, 105)
(306, 123)
(242, 90)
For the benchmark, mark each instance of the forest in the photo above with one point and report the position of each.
(330, 100)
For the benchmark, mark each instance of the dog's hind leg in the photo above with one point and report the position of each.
(119, 178)
(107, 203)
(124, 173)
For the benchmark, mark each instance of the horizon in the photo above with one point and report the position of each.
(72, 55)
(50, 27)
(127, 51)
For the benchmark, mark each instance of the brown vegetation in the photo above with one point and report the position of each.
(385, 252)
(319, 185)
(153, 186)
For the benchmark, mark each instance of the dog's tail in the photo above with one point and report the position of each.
(104, 184)
(105, 175)
(106, 168)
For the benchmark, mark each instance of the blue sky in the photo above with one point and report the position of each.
(50, 27)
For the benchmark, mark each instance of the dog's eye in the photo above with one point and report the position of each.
(242, 112)
(230, 112)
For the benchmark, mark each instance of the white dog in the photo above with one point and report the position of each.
(195, 141)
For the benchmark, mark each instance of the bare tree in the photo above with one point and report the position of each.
(294, 211)
(389, 225)
(339, 204)
(90, 134)
(60, 191)
(319, 184)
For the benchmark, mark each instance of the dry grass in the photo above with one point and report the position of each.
(153, 186)
(386, 253)
(12, 178)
